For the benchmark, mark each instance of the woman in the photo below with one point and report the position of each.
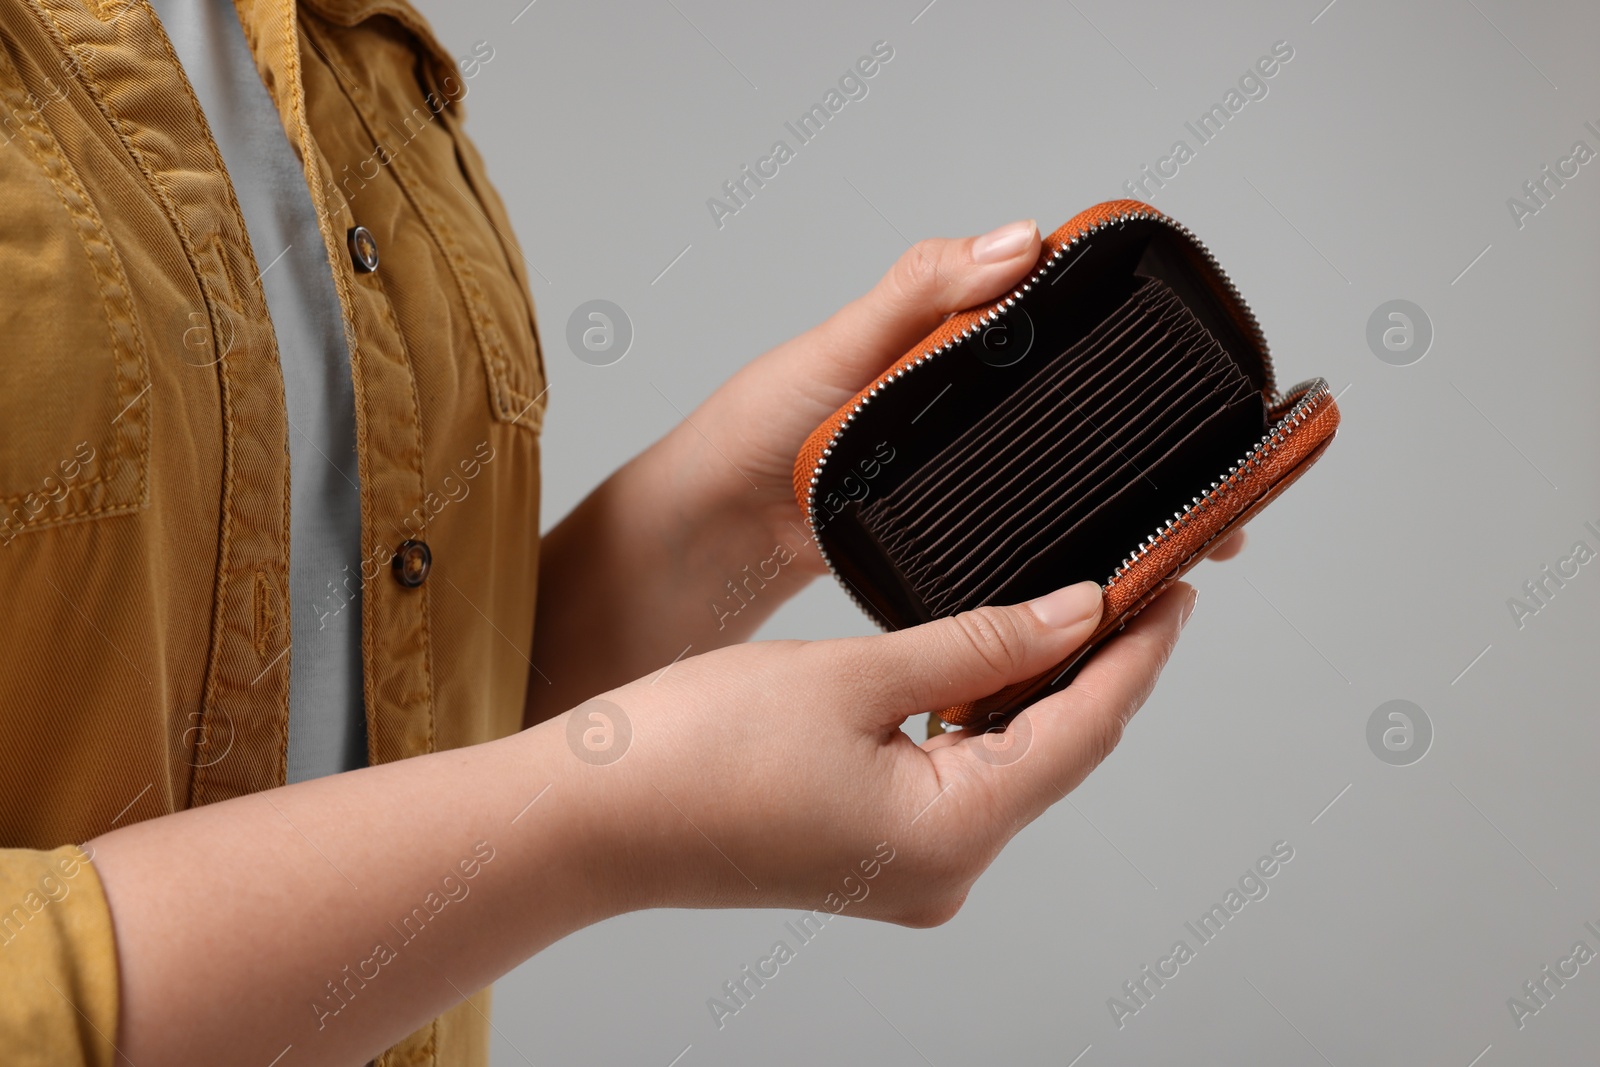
(288, 658)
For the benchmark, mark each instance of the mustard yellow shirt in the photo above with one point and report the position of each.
(144, 461)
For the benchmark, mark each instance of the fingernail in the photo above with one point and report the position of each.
(1007, 241)
(1069, 606)
(1188, 609)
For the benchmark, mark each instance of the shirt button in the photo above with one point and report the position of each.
(411, 563)
(363, 249)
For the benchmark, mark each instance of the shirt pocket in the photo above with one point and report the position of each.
(75, 396)
(517, 376)
(407, 92)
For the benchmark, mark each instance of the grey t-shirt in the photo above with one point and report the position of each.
(327, 725)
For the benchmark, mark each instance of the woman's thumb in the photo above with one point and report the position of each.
(973, 654)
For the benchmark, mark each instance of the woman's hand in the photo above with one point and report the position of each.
(632, 578)
(766, 774)
(774, 403)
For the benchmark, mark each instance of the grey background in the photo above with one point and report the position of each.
(1378, 167)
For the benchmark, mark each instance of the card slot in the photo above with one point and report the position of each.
(1125, 459)
(955, 569)
(1092, 418)
(1019, 452)
(1099, 540)
(1080, 355)
(949, 521)
(1070, 365)
(964, 482)
(1194, 408)
(1148, 415)
(1058, 544)
(1094, 424)
(1137, 478)
(1065, 370)
(1055, 472)
(1221, 366)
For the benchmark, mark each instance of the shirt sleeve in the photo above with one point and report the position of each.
(58, 960)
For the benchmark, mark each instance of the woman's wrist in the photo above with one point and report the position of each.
(666, 555)
(617, 829)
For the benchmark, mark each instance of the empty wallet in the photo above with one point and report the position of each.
(1114, 418)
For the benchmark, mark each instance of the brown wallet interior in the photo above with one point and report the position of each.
(1041, 452)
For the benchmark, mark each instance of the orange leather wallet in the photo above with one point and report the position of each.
(1113, 419)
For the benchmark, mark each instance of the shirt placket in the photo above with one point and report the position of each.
(396, 649)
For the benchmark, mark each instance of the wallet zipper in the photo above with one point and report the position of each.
(1003, 306)
(1295, 406)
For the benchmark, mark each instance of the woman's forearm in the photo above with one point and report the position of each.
(335, 916)
(338, 915)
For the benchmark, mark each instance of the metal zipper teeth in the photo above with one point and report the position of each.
(1001, 307)
(1311, 396)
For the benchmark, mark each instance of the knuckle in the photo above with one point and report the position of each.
(916, 275)
(995, 637)
(1107, 735)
